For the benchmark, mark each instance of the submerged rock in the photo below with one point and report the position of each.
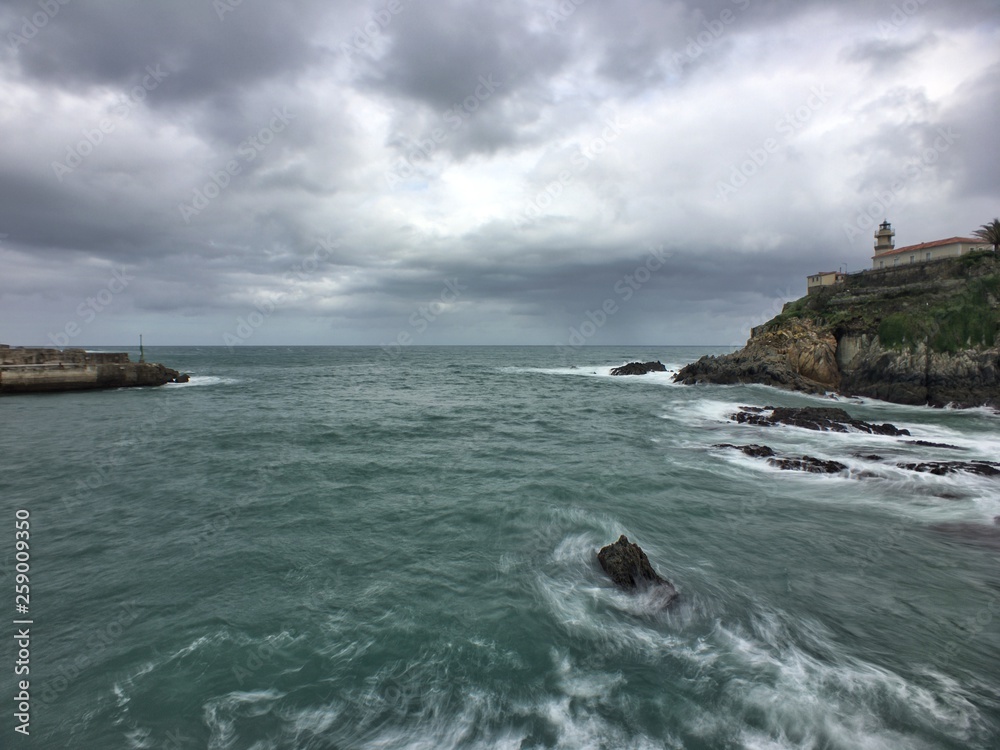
(928, 444)
(807, 463)
(639, 368)
(629, 568)
(825, 419)
(982, 468)
(754, 451)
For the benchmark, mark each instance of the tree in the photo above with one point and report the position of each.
(990, 233)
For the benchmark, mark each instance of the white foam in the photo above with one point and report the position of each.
(203, 380)
(601, 371)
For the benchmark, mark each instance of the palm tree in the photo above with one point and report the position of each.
(990, 233)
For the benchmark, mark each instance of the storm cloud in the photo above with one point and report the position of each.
(496, 172)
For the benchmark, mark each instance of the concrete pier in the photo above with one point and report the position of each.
(31, 370)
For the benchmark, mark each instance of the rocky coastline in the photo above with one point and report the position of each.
(928, 334)
(40, 370)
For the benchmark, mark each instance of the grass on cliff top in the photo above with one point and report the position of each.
(968, 319)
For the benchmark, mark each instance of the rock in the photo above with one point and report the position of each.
(867, 456)
(808, 463)
(827, 419)
(927, 444)
(940, 468)
(788, 463)
(754, 451)
(924, 334)
(639, 368)
(629, 568)
(799, 357)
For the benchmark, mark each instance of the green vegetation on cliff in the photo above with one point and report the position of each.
(949, 305)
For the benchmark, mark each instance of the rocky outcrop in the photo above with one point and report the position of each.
(810, 464)
(639, 368)
(799, 357)
(629, 568)
(926, 334)
(812, 418)
(53, 370)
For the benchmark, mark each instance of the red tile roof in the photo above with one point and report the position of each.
(928, 246)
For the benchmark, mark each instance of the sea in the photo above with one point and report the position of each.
(334, 548)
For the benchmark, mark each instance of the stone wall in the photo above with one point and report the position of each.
(29, 370)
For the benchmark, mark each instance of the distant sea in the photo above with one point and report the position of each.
(335, 548)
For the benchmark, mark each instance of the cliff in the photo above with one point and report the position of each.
(922, 334)
(26, 370)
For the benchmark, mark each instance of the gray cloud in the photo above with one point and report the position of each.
(342, 162)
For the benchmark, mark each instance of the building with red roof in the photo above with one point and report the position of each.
(887, 255)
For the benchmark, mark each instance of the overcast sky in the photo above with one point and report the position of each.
(528, 172)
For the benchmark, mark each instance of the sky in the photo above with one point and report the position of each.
(402, 173)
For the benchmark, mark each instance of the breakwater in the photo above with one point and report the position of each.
(35, 370)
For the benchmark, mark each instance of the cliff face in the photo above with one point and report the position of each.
(922, 334)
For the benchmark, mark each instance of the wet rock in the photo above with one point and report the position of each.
(825, 419)
(940, 468)
(867, 456)
(807, 463)
(754, 451)
(927, 444)
(639, 368)
(789, 463)
(629, 568)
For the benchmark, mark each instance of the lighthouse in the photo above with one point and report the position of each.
(883, 238)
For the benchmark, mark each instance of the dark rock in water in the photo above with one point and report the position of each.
(982, 468)
(825, 419)
(807, 463)
(789, 463)
(868, 456)
(629, 568)
(639, 368)
(754, 451)
(927, 444)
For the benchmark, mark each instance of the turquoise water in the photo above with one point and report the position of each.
(338, 548)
